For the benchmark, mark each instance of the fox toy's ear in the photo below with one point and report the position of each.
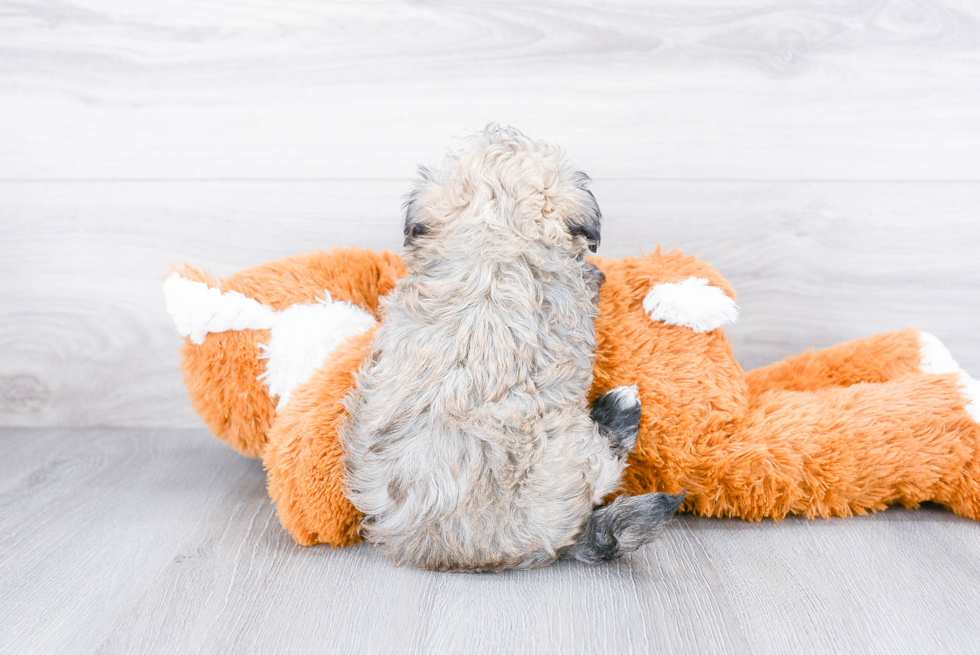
(586, 220)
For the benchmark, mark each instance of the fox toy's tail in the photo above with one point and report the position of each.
(251, 339)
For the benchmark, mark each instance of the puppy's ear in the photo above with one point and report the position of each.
(587, 219)
(414, 227)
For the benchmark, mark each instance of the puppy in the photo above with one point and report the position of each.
(470, 445)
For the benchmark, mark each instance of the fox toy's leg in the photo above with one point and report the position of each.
(304, 459)
(846, 450)
(880, 358)
(223, 378)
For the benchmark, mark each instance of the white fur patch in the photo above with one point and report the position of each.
(198, 310)
(971, 389)
(302, 339)
(692, 303)
(609, 476)
(302, 336)
(934, 357)
(626, 396)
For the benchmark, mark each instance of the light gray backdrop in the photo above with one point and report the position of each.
(824, 155)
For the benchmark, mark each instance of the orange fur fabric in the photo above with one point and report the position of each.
(852, 429)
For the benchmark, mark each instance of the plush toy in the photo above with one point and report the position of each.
(270, 352)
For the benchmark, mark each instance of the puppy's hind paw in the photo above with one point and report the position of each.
(623, 526)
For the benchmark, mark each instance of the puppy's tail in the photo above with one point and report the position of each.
(623, 526)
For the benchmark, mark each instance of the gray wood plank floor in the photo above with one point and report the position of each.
(164, 541)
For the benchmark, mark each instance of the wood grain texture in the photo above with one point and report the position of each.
(163, 541)
(824, 155)
(285, 89)
(87, 340)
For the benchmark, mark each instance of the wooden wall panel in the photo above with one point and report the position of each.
(286, 89)
(87, 340)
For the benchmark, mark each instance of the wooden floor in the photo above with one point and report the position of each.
(823, 154)
(164, 541)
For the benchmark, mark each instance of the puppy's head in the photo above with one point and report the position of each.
(499, 194)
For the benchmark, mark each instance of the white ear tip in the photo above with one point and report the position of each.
(693, 303)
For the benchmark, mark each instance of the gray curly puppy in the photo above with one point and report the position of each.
(470, 444)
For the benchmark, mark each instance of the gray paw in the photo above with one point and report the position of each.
(623, 526)
(594, 279)
(617, 412)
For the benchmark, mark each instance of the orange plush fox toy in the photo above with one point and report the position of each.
(270, 352)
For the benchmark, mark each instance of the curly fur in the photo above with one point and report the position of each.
(469, 441)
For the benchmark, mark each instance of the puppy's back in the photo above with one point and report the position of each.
(469, 442)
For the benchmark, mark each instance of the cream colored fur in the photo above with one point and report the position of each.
(469, 440)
